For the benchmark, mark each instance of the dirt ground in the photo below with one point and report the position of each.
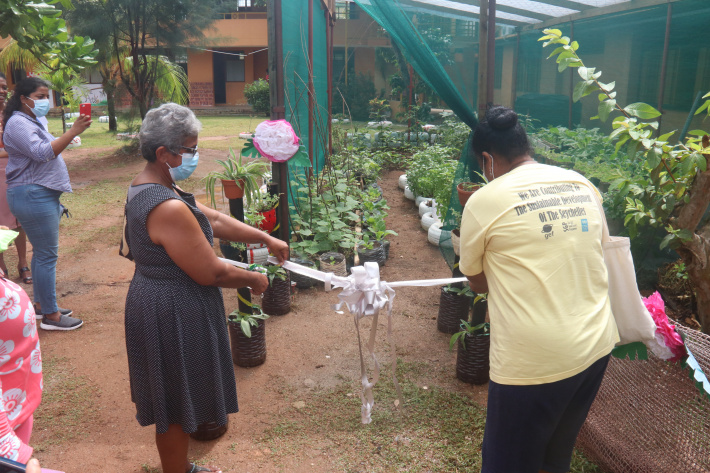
(309, 350)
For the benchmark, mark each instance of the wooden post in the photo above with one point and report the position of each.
(482, 59)
(491, 56)
(278, 109)
(514, 81)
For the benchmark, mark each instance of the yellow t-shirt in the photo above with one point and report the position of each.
(536, 234)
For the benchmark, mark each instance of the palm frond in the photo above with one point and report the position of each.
(14, 56)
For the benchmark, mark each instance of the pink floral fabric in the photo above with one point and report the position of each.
(276, 140)
(20, 369)
(670, 338)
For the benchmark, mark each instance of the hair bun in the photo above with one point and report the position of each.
(501, 118)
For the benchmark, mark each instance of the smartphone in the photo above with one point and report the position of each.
(85, 109)
(9, 466)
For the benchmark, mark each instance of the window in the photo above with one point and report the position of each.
(92, 76)
(498, 66)
(234, 68)
(529, 66)
(347, 11)
(465, 29)
(339, 63)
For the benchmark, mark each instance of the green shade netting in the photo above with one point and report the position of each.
(295, 69)
(399, 25)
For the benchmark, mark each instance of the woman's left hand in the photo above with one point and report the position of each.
(278, 248)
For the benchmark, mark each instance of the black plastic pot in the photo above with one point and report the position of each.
(386, 246)
(277, 297)
(376, 254)
(472, 361)
(248, 351)
(209, 431)
(228, 251)
(453, 308)
(303, 282)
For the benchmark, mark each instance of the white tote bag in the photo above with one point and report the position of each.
(633, 320)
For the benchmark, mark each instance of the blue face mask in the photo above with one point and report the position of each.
(41, 107)
(185, 170)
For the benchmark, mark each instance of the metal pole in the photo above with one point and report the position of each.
(514, 82)
(491, 56)
(329, 23)
(482, 58)
(664, 65)
(571, 82)
(311, 89)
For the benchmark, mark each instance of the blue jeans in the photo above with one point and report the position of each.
(38, 210)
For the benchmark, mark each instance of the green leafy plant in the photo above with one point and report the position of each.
(460, 291)
(247, 321)
(258, 95)
(431, 168)
(235, 169)
(273, 272)
(468, 329)
(673, 192)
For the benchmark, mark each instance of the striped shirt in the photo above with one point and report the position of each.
(32, 159)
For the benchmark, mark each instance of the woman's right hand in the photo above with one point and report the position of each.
(81, 124)
(259, 284)
(33, 466)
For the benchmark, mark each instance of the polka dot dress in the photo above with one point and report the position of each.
(179, 358)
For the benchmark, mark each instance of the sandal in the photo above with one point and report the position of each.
(25, 279)
(196, 469)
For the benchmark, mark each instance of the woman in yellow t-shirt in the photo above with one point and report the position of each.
(531, 238)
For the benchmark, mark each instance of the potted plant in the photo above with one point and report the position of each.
(262, 211)
(333, 262)
(276, 300)
(232, 249)
(247, 332)
(238, 179)
(466, 189)
(472, 361)
(454, 303)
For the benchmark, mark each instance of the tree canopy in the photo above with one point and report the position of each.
(38, 28)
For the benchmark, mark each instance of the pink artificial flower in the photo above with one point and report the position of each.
(276, 140)
(655, 305)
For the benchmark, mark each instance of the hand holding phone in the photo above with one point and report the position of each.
(9, 466)
(85, 109)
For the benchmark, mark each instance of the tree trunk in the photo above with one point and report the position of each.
(111, 107)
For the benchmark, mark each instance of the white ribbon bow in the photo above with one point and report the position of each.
(365, 295)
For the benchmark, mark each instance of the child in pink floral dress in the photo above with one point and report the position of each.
(20, 367)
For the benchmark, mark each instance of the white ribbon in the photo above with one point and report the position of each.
(365, 295)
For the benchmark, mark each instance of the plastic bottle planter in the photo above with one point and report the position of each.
(402, 183)
(429, 219)
(408, 193)
(303, 282)
(472, 362)
(248, 351)
(210, 431)
(426, 206)
(376, 254)
(257, 255)
(333, 262)
(269, 222)
(434, 234)
(453, 308)
(276, 300)
(233, 189)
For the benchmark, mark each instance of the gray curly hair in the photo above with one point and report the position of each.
(168, 125)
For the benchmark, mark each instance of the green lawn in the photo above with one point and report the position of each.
(98, 135)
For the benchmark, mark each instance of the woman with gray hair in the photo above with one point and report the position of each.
(179, 359)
